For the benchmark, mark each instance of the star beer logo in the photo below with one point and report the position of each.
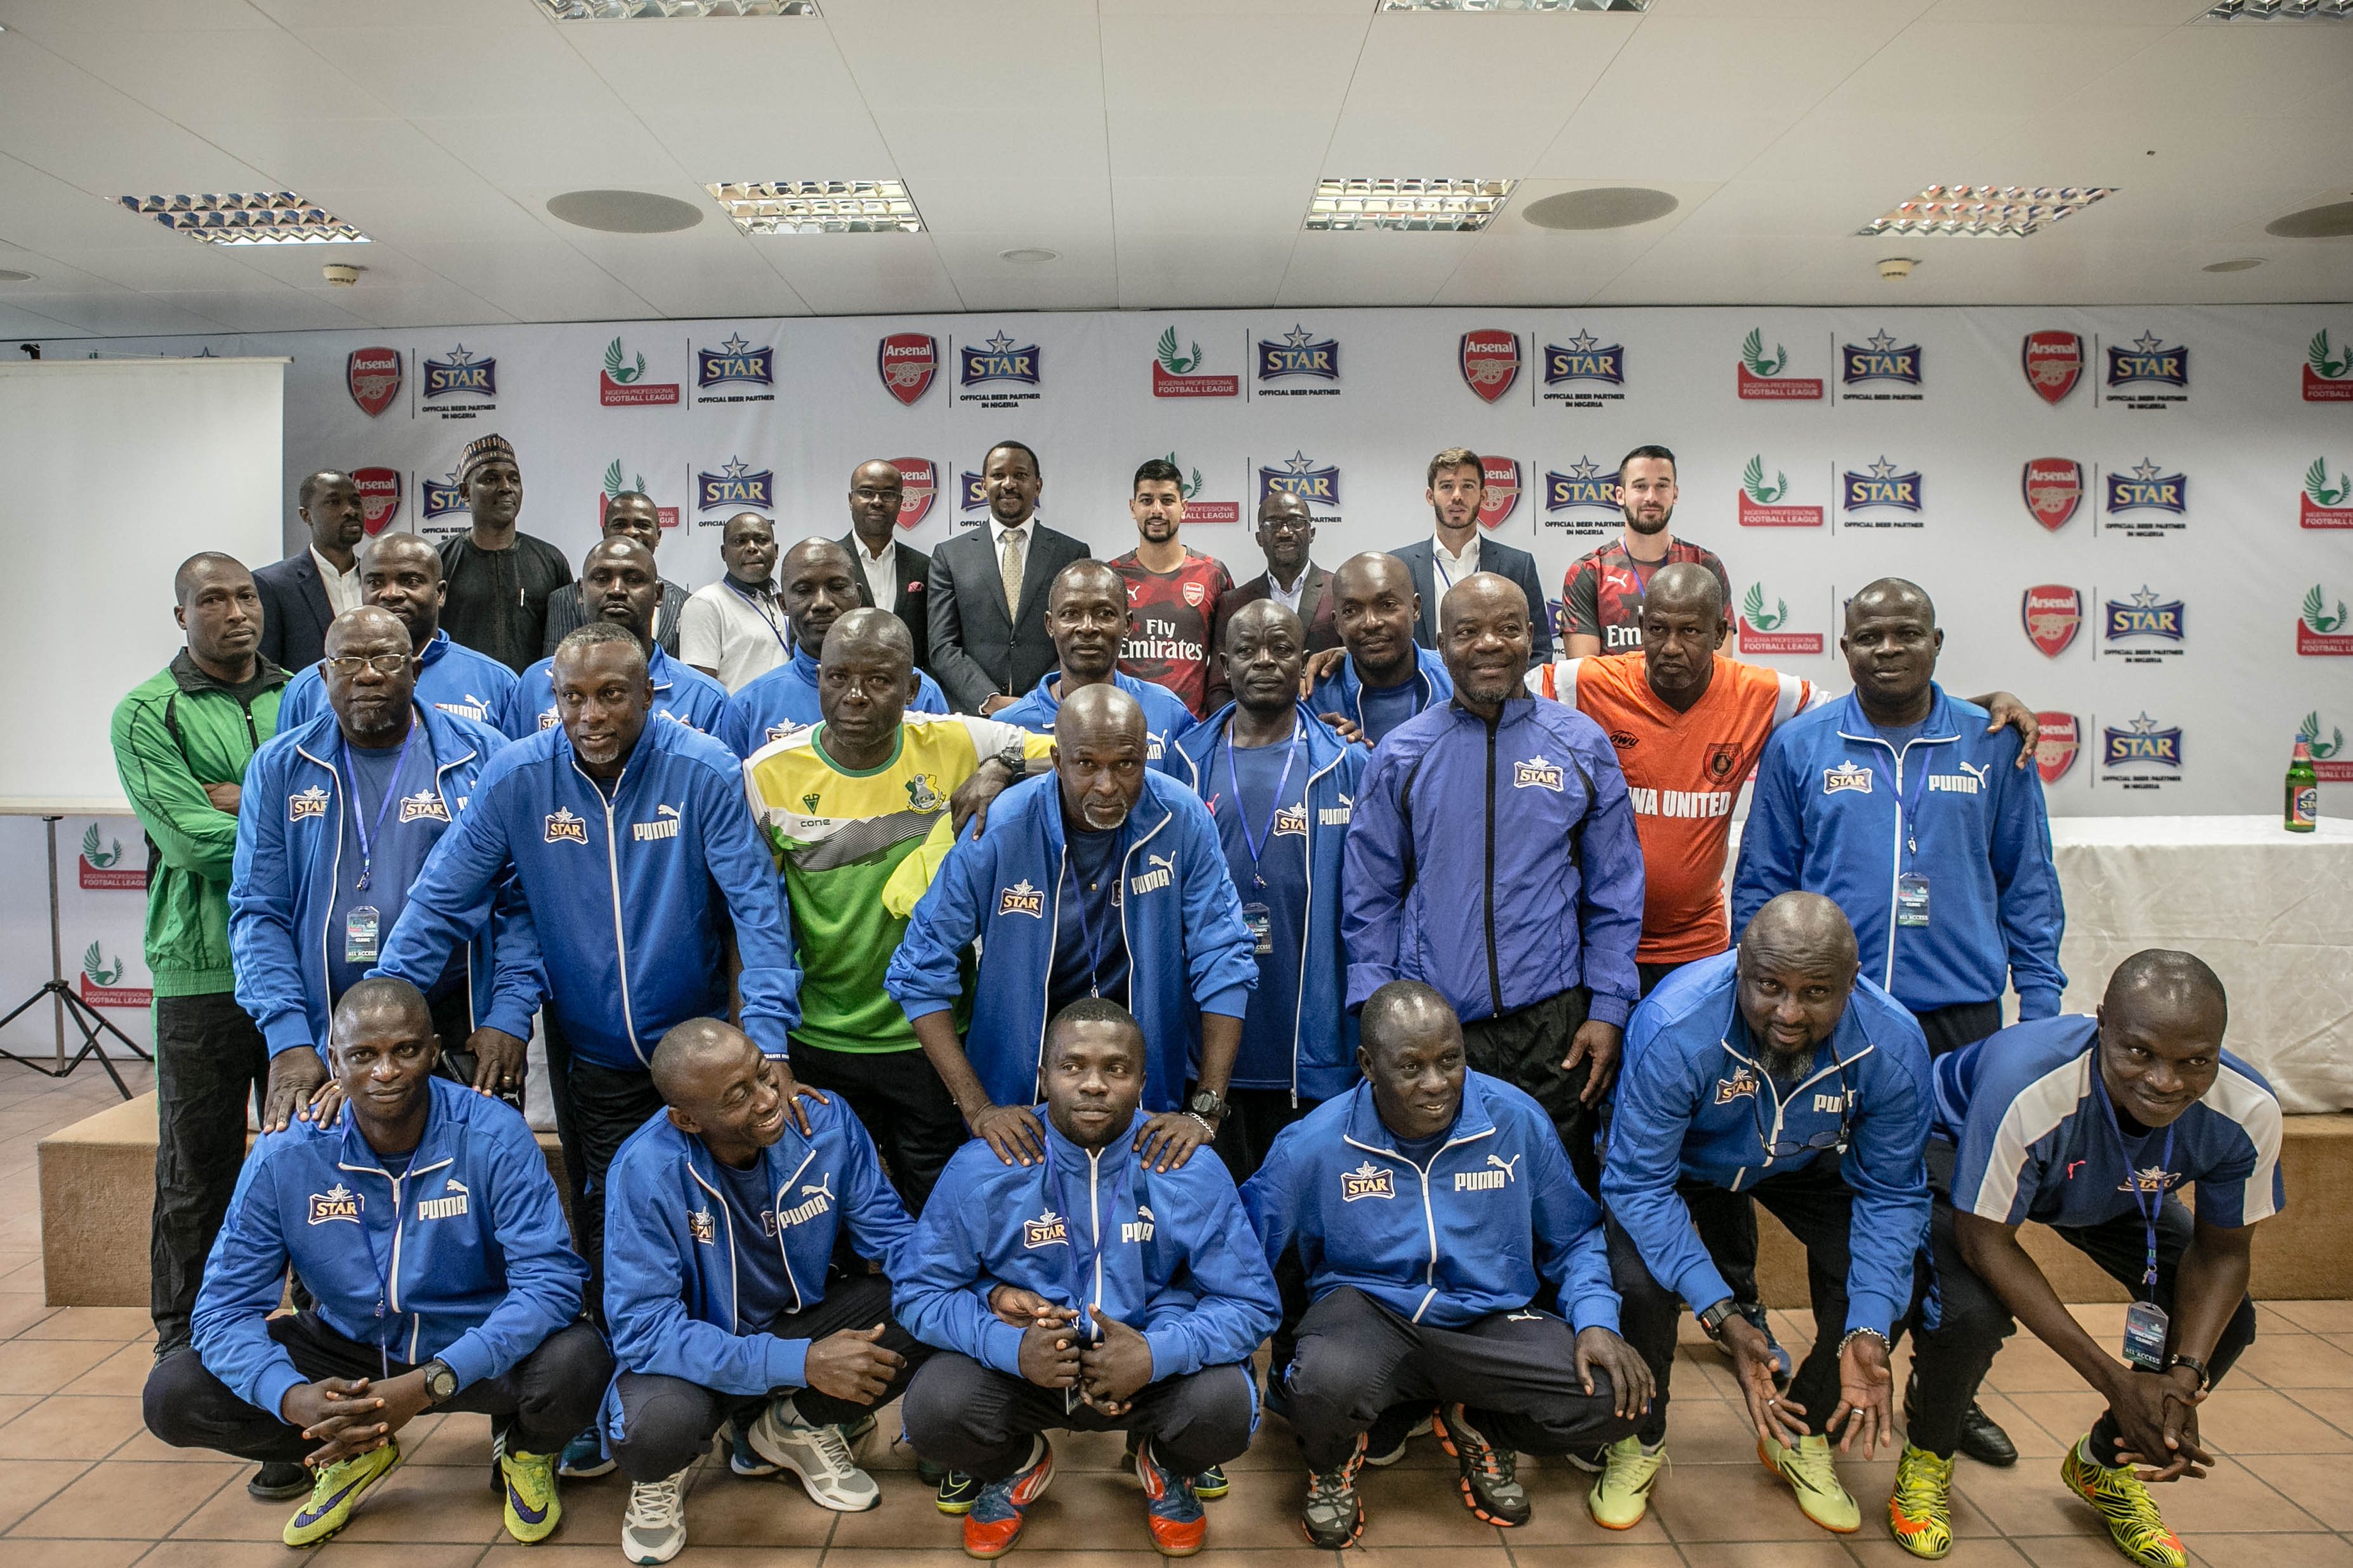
(1021, 898)
(2140, 744)
(1046, 1230)
(1583, 487)
(1299, 356)
(1299, 477)
(737, 484)
(735, 363)
(1584, 359)
(563, 826)
(338, 1201)
(1879, 358)
(1367, 1181)
(1002, 366)
(424, 806)
(2149, 365)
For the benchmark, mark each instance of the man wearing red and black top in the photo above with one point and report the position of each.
(1177, 597)
(1601, 598)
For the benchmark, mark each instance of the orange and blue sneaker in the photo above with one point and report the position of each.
(2125, 1506)
(1920, 1510)
(1489, 1470)
(993, 1522)
(337, 1491)
(1172, 1510)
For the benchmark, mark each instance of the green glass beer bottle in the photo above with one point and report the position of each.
(2303, 814)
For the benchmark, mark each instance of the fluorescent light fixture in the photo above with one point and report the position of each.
(1461, 206)
(1984, 212)
(655, 10)
(1510, 5)
(271, 217)
(820, 206)
(2280, 11)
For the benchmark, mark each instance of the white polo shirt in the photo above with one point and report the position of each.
(740, 634)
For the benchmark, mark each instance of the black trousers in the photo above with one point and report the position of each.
(979, 1420)
(905, 1108)
(597, 1109)
(1950, 1358)
(539, 1403)
(1962, 1024)
(210, 1065)
(1515, 1371)
(1525, 1050)
(1726, 1222)
(1817, 1205)
(666, 1421)
(452, 1016)
(1258, 1119)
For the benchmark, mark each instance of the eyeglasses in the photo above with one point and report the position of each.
(383, 664)
(1286, 525)
(1783, 1149)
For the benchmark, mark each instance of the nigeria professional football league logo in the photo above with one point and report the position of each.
(2053, 489)
(1489, 360)
(102, 864)
(2323, 504)
(614, 486)
(1761, 376)
(2148, 372)
(1764, 630)
(373, 377)
(1197, 510)
(2321, 632)
(2327, 371)
(622, 383)
(1499, 494)
(102, 982)
(749, 373)
(2053, 614)
(1299, 477)
(1176, 371)
(1761, 500)
(919, 486)
(2330, 761)
(1880, 362)
(2059, 737)
(737, 485)
(2054, 362)
(907, 361)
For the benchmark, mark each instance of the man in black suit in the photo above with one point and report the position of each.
(890, 576)
(300, 594)
(1456, 486)
(989, 638)
(1285, 533)
(631, 514)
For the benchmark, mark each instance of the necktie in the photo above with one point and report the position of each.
(1008, 568)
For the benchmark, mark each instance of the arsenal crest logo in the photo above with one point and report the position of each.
(2053, 487)
(907, 361)
(1490, 362)
(1500, 495)
(1195, 593)
(2054, 751)
(2054, 362)
(919, 483)
(2053, 615)
(379, 497)
(374, 377)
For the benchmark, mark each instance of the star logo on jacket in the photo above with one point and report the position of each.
(1492, 1177)
(1846, 776)
(1291, 819)
(548, 718)
(924, 793)
(1021, 898)
(338, 1201)
(310, 801)
(448, 1206)
(1367, 1181)
(1162, 872)
(699, 1226)
(2148, 1179)
(424, 804)
(562, 824)
(1741, 1085)
(1538, 773)
(1137, 1229)
(1046, 1230)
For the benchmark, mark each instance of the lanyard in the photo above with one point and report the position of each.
(359, 814)
(762, 612)
(1438, 566)
(1911, 792)
(2147, 1212)
(1086, 927)
(1085, 1271)
(1266, 835)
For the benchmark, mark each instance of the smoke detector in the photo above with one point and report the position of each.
(341, 276)
(1895, 268)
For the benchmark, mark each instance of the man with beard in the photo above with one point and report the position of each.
(987, 589)
(1456, 488)
(1774, 1069)
(816, 585)
(498, 579)
(894, 576)
(630, 515)
(1088, 616)
(1380, 676)
(1286, 533)
(1174, 595)
(734, 630)
(621, 586)
(1601, 597)
(302, 593)
(402, 574)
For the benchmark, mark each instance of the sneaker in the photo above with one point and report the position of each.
(1209, 1486)
(1172, 1510)
(815, 1454)
(1808, 1468)
(2125, 1505)
(1491, 1484)
(957, 1493)
(1755, 1317)
(533, 1509)
(741, 1457)
(1392, 1430)
(583, 1457)
(279, 1481)
(1335, 1516)
(654, 1528)
(336, 1492)
(994, 1521)
(1920, 1510)
(1620, 1499)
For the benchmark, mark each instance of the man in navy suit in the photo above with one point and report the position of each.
(989, 641)
(1456, 486)
(301, 595)
(892, 574)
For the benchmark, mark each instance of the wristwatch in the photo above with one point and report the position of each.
(1208, 1106)
(1714, 1318)
(440, 1382)
(2205, 1376)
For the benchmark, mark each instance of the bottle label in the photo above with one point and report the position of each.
(2303, 805)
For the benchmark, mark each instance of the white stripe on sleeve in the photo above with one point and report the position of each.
(2033, 1114)
(2251, 1106)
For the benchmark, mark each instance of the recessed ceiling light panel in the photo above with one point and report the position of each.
(274, 217)
(1603, 207)
(1030, 255)
(655, 10)
(624, 211)
(819, 207)
(1459, 206)
(2333, 221)
(2280, 11)
(1984, 212)
(1511, 4)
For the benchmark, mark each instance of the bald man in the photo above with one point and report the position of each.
(304, 593)
(816, 583)
(402, 574)
(1777, 1071)
(1385, 678)
(630, 515)
(1106, 879)
(734, 630)
(619, 587)
(894, 576)
(2091, 1126)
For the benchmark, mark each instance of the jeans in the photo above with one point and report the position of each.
(979, 1420)
(210, 1065)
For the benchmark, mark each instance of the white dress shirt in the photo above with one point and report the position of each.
(1452, 568)
(1287, 597)
(342, 587)
(879, 570)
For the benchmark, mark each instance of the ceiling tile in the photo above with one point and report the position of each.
(498, 67)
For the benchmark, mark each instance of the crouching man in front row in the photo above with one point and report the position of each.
(1142, 1289)
(1437, 1217)
(428, 1230)
(724, 1213)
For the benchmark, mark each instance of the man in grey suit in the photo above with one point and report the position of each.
(891, 575)
(989, 643)
(1456, 487)
(302, 593)
(633, 515)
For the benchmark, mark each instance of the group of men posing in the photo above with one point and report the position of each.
(885, 1041)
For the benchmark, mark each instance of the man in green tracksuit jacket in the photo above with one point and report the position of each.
(182, 739)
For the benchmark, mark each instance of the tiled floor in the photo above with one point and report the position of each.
(83, 1486)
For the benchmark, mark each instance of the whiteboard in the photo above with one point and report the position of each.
(117, 470)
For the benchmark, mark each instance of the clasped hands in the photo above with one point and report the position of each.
(1107, 1373)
